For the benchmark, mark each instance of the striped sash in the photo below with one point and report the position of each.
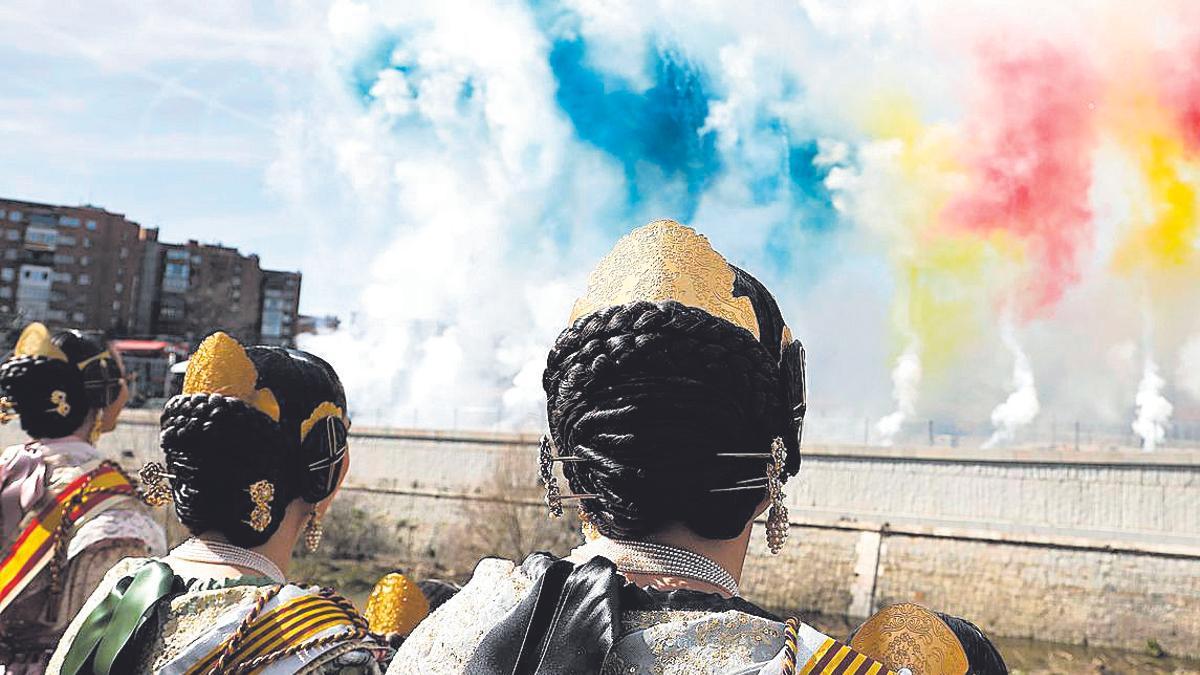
(294, 616)
(835, 658)
(33, 549)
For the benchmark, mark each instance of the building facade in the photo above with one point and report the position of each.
(74, 266)
(85, 267)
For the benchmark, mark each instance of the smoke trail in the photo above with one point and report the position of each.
(906, 385)
(1153, 409)
(1021, 406)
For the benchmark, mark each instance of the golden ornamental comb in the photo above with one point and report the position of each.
(35, 341)
(667, 261)
(221, 366)
(910, 638)
(396, 605)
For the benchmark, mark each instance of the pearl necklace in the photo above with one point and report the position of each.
(204, 550)
(640, 557)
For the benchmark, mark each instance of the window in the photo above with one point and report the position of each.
(10, 254)
(124, 252)
(84, 280)
(7, 274)
(118, 287)
(68, 221)
(84, 260)
(56, 315)
(77, 317)
(13, 235)
(91, 224)
(14, 216)
(41, 237)
(66, 240)
(116, 305)
(62, 277)
(87, 243)
(63, 259)
(5, 291)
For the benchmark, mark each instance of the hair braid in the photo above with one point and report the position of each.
(648, 393)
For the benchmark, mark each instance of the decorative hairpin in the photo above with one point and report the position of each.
(261, 493)
(777, 518)
(546, 459)
(155, 489)
(59, 398)
(7, 410)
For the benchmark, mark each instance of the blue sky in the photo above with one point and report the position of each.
(162, 115)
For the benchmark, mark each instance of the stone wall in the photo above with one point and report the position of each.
(1096, 548)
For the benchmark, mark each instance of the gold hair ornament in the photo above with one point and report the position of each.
(261, 493)
(7, 410)
(58, 398)
(667, 261)
(221, 366)
(156, 491)
(35, 341)
(323, 410)
(910, 637)
(396, 605)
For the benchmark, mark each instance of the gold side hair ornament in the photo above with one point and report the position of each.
(35, 341)
(667, 261)
(396, 606)
(8, 410)
(910, 638)
(221, 366)
(155, 491)
(58, 398)
(261, 494)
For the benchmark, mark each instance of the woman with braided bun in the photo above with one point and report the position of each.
(675, 401)
(66, 514)
(255, 449)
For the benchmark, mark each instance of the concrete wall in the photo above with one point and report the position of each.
(1097, 548)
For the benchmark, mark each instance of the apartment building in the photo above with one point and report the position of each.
(85, 267)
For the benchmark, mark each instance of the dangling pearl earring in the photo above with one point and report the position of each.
(313, 531)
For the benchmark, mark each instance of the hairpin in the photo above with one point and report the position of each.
(546, 459)
(155, 490)
(261, 493)
(757, 483)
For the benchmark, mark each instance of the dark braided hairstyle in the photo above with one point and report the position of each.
(648, 393)
(30, 382)
(217, 446)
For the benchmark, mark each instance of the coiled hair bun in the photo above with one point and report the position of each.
(53, 396)
(216, 447)
(47, 393)
(648, 393)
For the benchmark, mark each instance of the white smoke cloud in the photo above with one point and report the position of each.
(1189, 367)
(1021, 406)
(906, 387)
(469, 203)
(1153, 409)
